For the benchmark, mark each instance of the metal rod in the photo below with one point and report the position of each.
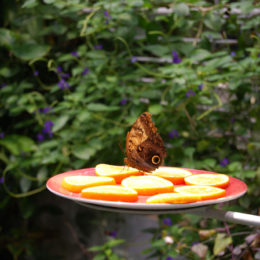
(207, 212)
(235, 217)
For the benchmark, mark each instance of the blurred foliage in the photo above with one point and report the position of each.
(74, 76)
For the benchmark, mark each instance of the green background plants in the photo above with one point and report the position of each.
(75, 75)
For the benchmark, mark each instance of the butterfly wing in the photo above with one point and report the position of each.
(144, 146)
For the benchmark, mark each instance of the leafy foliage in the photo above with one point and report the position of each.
(76, 74)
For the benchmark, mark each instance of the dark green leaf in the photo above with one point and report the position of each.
(98, 107)
(59, 123)
(29, 4)
(25, 184)
(29, 51)
(83, 151)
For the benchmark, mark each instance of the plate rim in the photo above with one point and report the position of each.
(140, 205)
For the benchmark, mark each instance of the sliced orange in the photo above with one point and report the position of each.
(79, 182)
(214, 180)
(148, 185)
(111, 193)
(117, 172)
(205, 192)
(173, 174)
(173, 198)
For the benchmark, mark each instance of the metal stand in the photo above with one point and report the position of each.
(235, 217)
(207, 212)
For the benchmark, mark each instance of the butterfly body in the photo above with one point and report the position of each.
(144, 146)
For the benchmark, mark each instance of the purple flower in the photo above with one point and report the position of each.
(258, 55)
(62, 74)
(233, 54)
(173, 134)
(190, 93)
(224, 162)
(3, 85)
(44, 110)
(1, 179)
(85, 71)
(40, 137)
(2, 135)
(98, 47)
(200, 87)
(59, 69)
(133, 59)
(47, 128)
(123, 101)
(63, 84)
(108, 17)
(112, 234)
(169, 258)
(65, 75)
(75, 54)
(167, 221)
(36, 73)
(175, 58)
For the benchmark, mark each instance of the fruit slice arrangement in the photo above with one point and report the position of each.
(117, 172)
(165, 185)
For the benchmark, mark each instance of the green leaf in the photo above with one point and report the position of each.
(83, 152)
(26, 144)
(10, 145)
(235, 166)
(222, 241)
(199, 55)
(158, 50)
(42, 174)
(25, 184)
(210, 162)
(158, 243)
(182, 9)
(48, 1)
(213, 22)
(30, 4)
(96, 248)
(29, 51)
(100, 257)
(98, 107)
(155, 109)
(7, 37)
(59, 123)
(114, 242)
(17, 144)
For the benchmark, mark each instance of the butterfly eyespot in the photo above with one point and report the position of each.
(156, 159)
(140, 148)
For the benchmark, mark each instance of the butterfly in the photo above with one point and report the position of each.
(145, 150)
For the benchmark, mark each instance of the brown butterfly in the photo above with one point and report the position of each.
(144, 146)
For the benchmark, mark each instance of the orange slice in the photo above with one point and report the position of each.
(214, 180)
(148, 185)
(117, 172)
(205, 192)
(111, 193)
(173, 198)
(79, 182)
(175, 175)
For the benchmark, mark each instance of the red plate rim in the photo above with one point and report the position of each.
(235, 189)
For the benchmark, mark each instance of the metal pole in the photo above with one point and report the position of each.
(235, 217)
